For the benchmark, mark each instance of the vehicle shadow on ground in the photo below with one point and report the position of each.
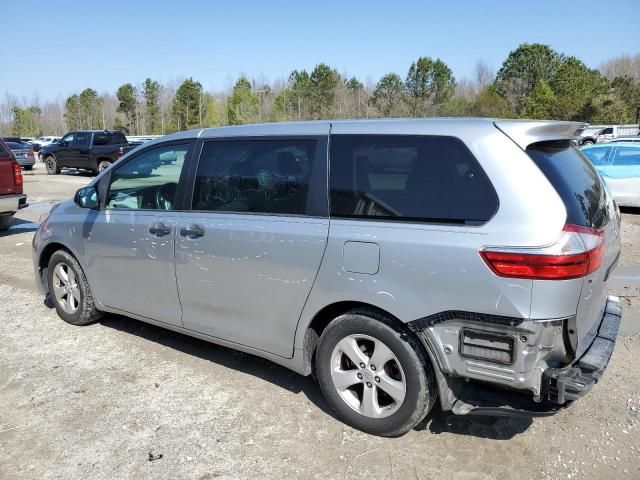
(227, 357)
(493, 428)
(19, 226)
(631, 210)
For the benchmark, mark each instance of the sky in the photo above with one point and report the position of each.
(61, 47)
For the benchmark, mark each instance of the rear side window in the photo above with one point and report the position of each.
(412, 178)
(258, 176)
(576, 181)
(118, 138)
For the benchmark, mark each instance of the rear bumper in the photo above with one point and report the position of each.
(12, 203)
(559, 386)
(562, 385)
(26, 162)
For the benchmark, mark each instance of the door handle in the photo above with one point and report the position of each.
(159, 229)
(192, 231)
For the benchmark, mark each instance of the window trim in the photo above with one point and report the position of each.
(317, 194)
(412, 220)
(105, 182)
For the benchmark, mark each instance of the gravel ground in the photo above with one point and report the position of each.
(122, 399)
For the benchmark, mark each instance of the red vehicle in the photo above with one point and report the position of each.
(11, 197)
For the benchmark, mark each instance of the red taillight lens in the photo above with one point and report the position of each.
(578, 253)
(30, 153)
(17, 175)
(120, 152)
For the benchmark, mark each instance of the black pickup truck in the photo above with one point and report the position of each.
(92, 150)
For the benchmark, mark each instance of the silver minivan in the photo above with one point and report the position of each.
(401, 262)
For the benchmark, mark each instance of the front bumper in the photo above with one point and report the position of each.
(12, 203)
(562, 385)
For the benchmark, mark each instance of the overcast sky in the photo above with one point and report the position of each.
(61, 47)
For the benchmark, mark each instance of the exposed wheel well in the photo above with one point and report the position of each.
(328, 313)
(45, 256)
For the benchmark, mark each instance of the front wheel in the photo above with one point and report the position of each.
(587, 142)
(70, 291)
(374, 376)
(53, 168)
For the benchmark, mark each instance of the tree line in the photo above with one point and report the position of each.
(534, 81)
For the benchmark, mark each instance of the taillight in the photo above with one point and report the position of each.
(17, 174)
(120, 152)
(578, 253)
(30, 153)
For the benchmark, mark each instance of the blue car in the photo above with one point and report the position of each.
(619, 165)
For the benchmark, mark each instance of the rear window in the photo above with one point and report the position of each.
(16, 146)
(118, 138)
(408, 178)
(576, 181)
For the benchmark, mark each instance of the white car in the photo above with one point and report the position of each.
(42, 141)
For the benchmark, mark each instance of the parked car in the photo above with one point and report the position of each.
(419, 266)
(23, 154)
(588, 135)
(40, 142)
(626, 139)
(619, 164)
(11, 197)
(20, 140)
(93, 150)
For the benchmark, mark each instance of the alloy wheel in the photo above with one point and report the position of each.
(65, 288)
(368, 376)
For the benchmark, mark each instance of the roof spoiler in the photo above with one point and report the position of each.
(526, 132)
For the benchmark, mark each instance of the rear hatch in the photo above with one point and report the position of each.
(588, 204)
(7, 184)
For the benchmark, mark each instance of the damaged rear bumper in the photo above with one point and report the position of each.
(562, 385)
(549, 388)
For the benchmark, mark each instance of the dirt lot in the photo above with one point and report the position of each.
(121, 399)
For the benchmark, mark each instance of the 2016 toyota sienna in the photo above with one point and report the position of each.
(400, 261)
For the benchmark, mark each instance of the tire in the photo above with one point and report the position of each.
(53, 167)
(5, 222)
(407, 365)
(28, 167)
(587, 142)
(78, 291)
(103, 165)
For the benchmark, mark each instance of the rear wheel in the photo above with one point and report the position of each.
(103, 165)
(53, 168)
(374, 376)
(28, 167)
(70, 291)
(5, 222)
(587, 142)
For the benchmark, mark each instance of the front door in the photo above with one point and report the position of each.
(78, 153)
(130, 243)
(248, 253)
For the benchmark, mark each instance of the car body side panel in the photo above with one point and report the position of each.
(427, 268)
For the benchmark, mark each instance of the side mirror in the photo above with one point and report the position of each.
(87, 197)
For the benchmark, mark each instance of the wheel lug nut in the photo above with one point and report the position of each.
(373, 367)
(360, 376)
(369, 384)
(362, 365)
(377, 379)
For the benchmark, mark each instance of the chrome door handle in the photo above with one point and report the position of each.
(159, 229)
(192, 231)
